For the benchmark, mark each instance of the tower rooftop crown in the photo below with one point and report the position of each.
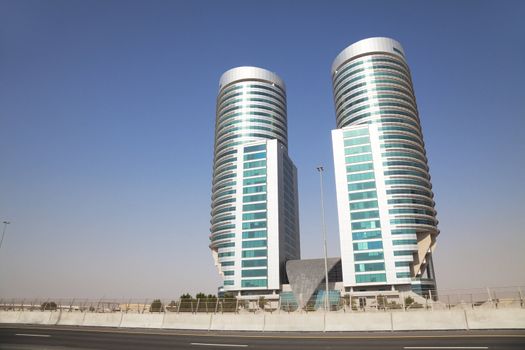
(247, 73)
(378, 44)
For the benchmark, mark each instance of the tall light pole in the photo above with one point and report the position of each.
(3, 232)
(320, 169)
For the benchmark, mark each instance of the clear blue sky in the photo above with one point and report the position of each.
(106, 132)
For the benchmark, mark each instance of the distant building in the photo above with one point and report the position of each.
(254, 211)
(387, 220)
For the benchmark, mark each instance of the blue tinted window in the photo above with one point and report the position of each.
(403, 252)
(358, 141)
(365, 225)
(403, 275)
(254, 253)
(359, 167)
(255, 172)
(359, 177)
(365, 215)
(357, 132)
(368, 245)
(363, 205)
(254, 263)
(255, 148)
(255, 273)
(254, 198)
(370, 267)
(361, 186)
(260, 155)
(254, 244)
(371, 278)
(254, 181)
(254, 234)
(356, 236)
(362, 195)
(254, 283)
(256, 206)
(255, 225)
(254, 216)
(368, 256)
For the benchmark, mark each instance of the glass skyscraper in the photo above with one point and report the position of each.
(387, 220)
(254, 211)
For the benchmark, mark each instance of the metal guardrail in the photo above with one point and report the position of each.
(500, 297)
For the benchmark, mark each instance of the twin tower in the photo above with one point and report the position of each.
(387, 220)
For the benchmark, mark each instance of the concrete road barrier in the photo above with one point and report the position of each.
(38, 317)
(71, 319)
(281, 322)
(496, 319)
(187, 321)
(232, 322)
(313, 321)
(358, 321)
(142, 320)
(432, 320)
(9, 316)
(102, 319)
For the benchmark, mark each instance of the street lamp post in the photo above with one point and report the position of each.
(320, 169)
(3, 232)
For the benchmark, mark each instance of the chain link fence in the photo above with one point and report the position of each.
(500, 297)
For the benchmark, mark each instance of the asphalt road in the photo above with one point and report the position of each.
(60, 338)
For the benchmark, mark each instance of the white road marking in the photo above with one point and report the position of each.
(33, 335)
(225, 345)
(445, 347)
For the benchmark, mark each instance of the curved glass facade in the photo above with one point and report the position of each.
(250, 112)
(388, 196)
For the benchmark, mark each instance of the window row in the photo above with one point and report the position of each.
(254, 244)
(255, 283)
(360, 177)
(371, 278)
(254, 273)
(359, 186)
(368, 245)
(356, 236)
(372, 214)
(363, 205)
(254, 234)
(369, 267)
(364, 225)
(368, 256)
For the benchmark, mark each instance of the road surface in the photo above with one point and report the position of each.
(17, 337)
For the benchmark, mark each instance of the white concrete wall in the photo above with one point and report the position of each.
(229, 322)
(9, 316)
(284, 322)
(187, 321)
(358, 321)
(142, 320)
(314, 321)
(38, 317)
(71, 319)
(496, 319)
(435, 320)
(103, 319)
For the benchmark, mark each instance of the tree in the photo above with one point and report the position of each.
(200, 296)
(48, 305)
(186, 296)
(381, 301)
(156, 306)
(408, 301)
(172, 306)
(229, 295)
(262, 302)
